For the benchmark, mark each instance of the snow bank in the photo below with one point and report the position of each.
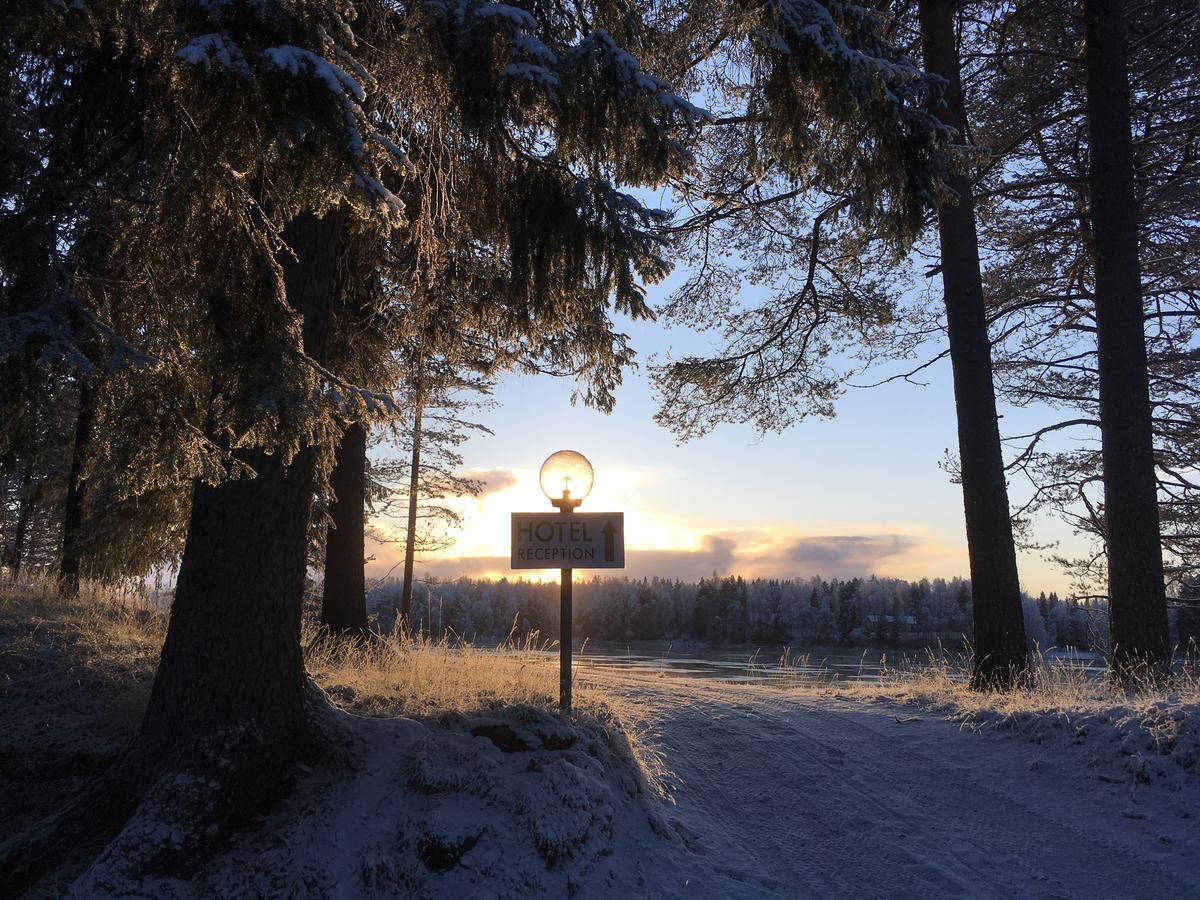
(1147, 742)
(515, 803)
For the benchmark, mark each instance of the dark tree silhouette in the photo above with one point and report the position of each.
(343, 598)
(1136, 589)
(68, 568)
(999, 628)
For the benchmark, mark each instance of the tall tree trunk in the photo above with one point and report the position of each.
(1000, 652)
(1136, 590)
(68, 567)
(344, 601)
(24, 510)
(414, 486)
(228, 715)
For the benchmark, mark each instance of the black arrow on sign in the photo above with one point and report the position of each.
(610, 545)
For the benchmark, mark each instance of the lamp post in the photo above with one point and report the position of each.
(566, 478)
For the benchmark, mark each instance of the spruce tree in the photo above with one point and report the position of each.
(534, 122)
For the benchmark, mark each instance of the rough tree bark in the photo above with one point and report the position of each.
(1000, 654)
(68, 566)
(229, 713)
(1137, 603)
(344, 601)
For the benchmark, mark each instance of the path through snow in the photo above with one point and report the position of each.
(793, 794)
(796, 794)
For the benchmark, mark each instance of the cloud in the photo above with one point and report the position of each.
(754, 553)
(716, 554)
(494, 480)
(668, 546)
(782, 553)
(447, 567)
(848, 554)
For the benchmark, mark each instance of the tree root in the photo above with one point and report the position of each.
(166, 819)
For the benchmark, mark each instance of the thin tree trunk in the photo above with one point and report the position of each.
(24, 508)
(1000, 653)
(7, 464)
(410, 540)
(344, 601)
(68, 568)
(1136, 590)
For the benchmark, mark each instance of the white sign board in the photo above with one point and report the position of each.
(554, 540)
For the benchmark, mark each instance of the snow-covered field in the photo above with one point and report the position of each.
(458, 782)
(769, 793)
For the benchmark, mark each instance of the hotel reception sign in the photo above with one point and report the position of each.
(568, 540)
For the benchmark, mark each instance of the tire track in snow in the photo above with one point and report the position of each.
(1046, 813)
(823, 802)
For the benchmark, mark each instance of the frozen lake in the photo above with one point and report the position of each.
(766, 665)
(746, 665)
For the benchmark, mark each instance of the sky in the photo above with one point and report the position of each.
(856, 495)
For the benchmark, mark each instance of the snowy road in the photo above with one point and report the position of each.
(794, 795)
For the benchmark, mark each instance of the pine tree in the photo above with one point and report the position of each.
(343, 597)
(999, 631)
(362, 326)
(68, 569)
(828, 244)
(1137, 595)
(415, 488)
(1042, 276)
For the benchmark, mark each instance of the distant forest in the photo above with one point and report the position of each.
(885, 612)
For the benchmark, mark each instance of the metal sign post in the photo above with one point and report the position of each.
(586, 540)
(564, 642)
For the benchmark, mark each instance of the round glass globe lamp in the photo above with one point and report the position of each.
(566, 478)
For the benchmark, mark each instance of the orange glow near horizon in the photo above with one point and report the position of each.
(664, 542)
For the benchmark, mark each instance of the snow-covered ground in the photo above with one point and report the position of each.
(455, 780)
(770, 793)
(803, 794)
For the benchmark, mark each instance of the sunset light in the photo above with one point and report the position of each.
(662, 541)
(877, 324)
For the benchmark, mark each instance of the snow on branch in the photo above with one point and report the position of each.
(532, 60)
(392, 205)
(799, 27)
(518, 17)
(599, 49)
(349, 93)
(296, 61)
(54, 328)
(221, 49)
(352, 400)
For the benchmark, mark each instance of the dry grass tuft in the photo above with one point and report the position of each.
(423, 677)
(114, 633)
(394, 675)
(102, 648)
(75, 676)
(1053, 685)
(1146, 733)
